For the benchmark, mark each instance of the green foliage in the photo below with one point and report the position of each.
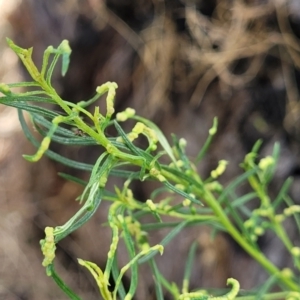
(204, 201)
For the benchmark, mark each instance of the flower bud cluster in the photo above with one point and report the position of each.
(266, 162)
(110, 88)
(156, 173)
(141, 128)
(48, 247)
(125, 115)
(220, 169)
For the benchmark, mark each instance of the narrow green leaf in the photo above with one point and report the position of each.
(72, 178)
(24, 84)
(188, 179)
(33, 109)
(65, 64)
(83, 219)
(208, 141)
(271, 170)
(27, 97)
(116, 273)
(181, 193)
(165, 241)
(170, 287)
(188, 267)
(134, 267)
(240, 201)
(263, 290)
(158, 287)
(235, 183)
(289, 203)
(66, 161)
(61, 284)
(283, 191)
(51, 69)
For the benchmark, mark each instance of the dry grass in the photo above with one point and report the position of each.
(209, 50)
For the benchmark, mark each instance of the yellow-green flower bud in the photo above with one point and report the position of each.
(280, 218)
(259, 231)
(188, 172)
(4, 89)
(154, 172)
(124, 115)
(295, 251)
(182, 143)
(179, 163)
(110, 88)
(48, 246)
(186, 202)
(153, 147)
(120, 218)
(102, 181)
(132, 136)
(65, 46)
(293, 296)
(161, 178)
(110, 148)
(212, 131)
(121, 116)
(180, 186)
(144, 246)
(220, 169)
(264, 211)
(253, 237)
(130, 111)
(292, 210)
(266, 162)
(151, 205)
(214, 186)
(119, 139)
(287, 272)
(151, 134)
(138, 128)
(249, 223)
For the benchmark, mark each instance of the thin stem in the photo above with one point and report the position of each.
(258, 256)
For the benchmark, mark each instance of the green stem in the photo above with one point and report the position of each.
(265, 202)
(258, 256)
